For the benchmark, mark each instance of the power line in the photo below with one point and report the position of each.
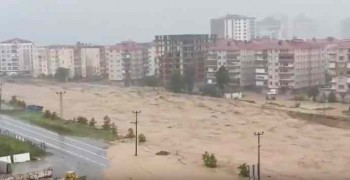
(136, 113)
(61, 102)
(258, 134)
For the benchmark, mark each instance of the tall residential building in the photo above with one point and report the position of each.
(304, 28)
(235, 58)
(125, 61)
(17, 55)
(177, 52)
(151, 67)
(269, 64)
(272, 28)
(60, 56)
(236, 27)
(345, 28)
(41, 65)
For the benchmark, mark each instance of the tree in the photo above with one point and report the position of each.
(332, 97)
(130, 133)
(92, 122)
(54, 116)
(142, 138)
(189, 78)
(62, 74)
(210, 90)
(177, 82)
(222, 78)
(151, 81)
(82, 120)
(47, 114)
(313, 92)
(243, 170)
(106, 123)
(209, 160)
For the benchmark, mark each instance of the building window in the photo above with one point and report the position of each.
(341, 87)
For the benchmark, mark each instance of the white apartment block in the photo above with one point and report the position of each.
(269, 64)
(90, 62)
(152, 62)
(125, 61)
(41, 65)
(238, 62)
(60, 56)
(17, 55)
(338, 57)
(235, 27)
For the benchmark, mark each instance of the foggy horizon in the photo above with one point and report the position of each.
(110, 22)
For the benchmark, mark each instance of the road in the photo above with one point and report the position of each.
(66, 145)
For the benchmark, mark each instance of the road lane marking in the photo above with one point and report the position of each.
(93, 153)
(49, 144)
(29, 125)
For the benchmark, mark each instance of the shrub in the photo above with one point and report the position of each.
(82, 120)
(162, 153)
(130, 133)
(142, 138)
(209, 160)
(13, 100)
(92, 122)
(106, 123)
(243, 170)
(54, 116)
(47, 114)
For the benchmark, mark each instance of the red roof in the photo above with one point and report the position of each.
(15, 40)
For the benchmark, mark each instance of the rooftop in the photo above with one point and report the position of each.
(15, 41)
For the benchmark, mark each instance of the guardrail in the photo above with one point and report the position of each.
(32, 141)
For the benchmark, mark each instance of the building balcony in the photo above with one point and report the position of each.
(286, 66)
(261, 77)
(286, 72)
(234, 71)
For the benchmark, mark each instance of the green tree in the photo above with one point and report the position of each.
(142, 138)
(130, 133)
(209, 160)
(313, 92)
(92, 122)
(177, 82)
(189, 78)
(106, 123)
(47, 114)
(222, 78)
(54, 116)
(151, 81)
(332, 97)
(62, 74)
(243, 170)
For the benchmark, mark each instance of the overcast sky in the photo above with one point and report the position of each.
(112, 21)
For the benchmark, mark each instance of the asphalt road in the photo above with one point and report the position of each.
(80, 151)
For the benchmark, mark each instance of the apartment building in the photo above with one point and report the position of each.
(338, 56)
(17, 55)
(235, 58)
(60, 56)
(125, 61)
(176, 52)
(272, 28)
(235, 27)
(41, 65)
(269, 64)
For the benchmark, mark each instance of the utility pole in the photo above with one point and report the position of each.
(136, 113)
(258, 134)
(61, 102)
(1, 95)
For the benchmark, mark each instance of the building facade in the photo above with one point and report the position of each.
(177, 52)
(235, 27)
(125, 61)
(271, 28)
(17, 55)
(269, 64)
(60, 56)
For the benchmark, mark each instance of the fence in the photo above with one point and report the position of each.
(45, 173)
(36, 143)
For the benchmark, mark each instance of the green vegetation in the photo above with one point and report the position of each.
(17, 103)
(10, 146)
(177, 83)
(142, 138)
(243, 170)
(130, 133)
(209, 160)
(62, 74)
(222, 78)
(60, 126)
(332, 97)
(313, 92)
